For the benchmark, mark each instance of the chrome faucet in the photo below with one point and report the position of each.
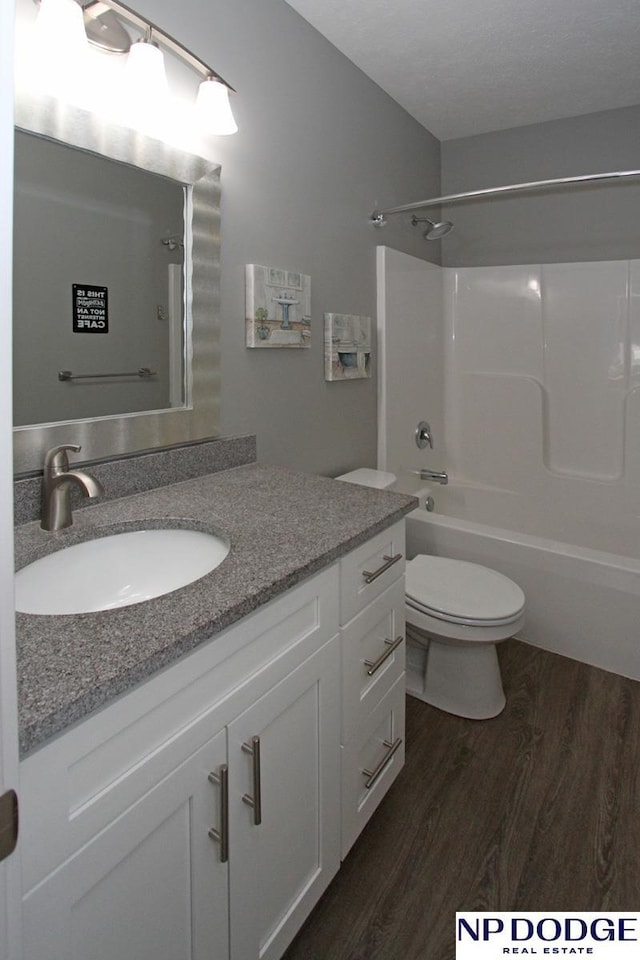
(57, 482)
(435, 475)
(423, 435)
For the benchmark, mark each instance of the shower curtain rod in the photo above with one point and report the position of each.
(378, 215)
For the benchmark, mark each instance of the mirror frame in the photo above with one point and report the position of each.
(110, 436)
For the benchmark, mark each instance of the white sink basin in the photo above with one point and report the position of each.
(117, 571)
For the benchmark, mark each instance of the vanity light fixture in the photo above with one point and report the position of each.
(145, 79)
(104, 27)
(60, 45)
(60, 23)
(145, 76)
(213, 100)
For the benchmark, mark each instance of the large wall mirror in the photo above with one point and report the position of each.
(116, 277)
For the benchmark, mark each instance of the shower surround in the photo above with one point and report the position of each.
(530, 377)
(542, 393)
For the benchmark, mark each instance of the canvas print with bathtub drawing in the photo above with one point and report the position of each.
(347, 346)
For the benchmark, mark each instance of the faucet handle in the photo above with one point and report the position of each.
(56, 459)
(423, 435)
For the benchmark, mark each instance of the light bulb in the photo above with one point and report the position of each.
(144, 93)
(213, 108)
(145, 77)
(61, 46)
(60, 25)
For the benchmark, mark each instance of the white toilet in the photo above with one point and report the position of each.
(456, 612)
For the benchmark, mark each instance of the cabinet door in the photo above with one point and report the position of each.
(280, 865)
(151, 886)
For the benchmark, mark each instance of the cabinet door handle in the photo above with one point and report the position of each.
(255, 801)
(374, 665)
(372, 775)
(369, 576)
(222, 835)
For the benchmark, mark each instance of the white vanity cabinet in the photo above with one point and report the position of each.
(118, 859)
(201, 815)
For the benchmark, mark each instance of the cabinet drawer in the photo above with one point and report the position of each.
(373, 656)
(370, 763)
(369, 569)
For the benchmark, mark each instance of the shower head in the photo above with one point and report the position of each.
(434, 231)
(438, 230)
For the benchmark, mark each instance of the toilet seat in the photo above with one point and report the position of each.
(456, 591)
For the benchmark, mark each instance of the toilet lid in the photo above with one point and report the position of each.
(462, 592)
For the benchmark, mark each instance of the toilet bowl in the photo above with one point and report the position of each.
(456, 612)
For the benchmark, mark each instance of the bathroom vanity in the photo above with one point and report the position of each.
(197, 765)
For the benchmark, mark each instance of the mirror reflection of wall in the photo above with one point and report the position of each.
(83, 219)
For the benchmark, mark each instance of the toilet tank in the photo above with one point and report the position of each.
(369, 478)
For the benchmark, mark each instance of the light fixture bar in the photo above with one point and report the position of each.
(95, 8)
(378, 215)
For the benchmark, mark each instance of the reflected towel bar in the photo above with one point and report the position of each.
(143, 372)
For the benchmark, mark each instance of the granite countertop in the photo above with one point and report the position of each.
(283, 526)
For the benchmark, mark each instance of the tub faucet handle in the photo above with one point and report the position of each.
(424, 437)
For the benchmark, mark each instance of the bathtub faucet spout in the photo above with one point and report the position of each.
(434, 475)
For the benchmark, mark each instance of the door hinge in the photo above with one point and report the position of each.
(8, 823)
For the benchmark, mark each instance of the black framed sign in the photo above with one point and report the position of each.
(90, 308)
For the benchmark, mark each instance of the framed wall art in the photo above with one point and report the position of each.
(278, 307)
(347, 346)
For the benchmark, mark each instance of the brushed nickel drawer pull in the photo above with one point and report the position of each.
(222, 835)
(255, 801)
(373, 775)
(369, 577)
(375, 665)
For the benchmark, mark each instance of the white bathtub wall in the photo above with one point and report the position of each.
(494, 368)
(585, 330)
(410, 363)
(542, 385)
(563, 327)
(539, 367)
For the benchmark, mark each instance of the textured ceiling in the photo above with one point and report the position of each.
(463, 67)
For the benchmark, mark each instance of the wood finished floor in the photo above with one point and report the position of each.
(538, 809)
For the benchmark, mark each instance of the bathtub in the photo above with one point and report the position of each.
(582, 602)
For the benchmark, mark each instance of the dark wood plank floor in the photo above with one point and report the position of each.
(538, 809)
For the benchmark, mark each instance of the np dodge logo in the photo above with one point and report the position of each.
(606, 936)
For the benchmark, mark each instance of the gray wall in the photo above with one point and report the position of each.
(580, 223)
(319, 146)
